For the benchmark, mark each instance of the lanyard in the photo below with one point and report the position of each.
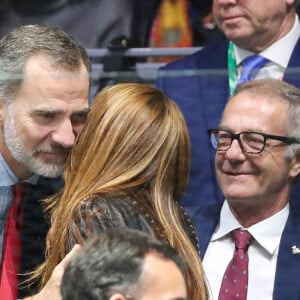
(231, 61)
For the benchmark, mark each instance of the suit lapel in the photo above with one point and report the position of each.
(292, 74)
(207, 218)
(287, 277)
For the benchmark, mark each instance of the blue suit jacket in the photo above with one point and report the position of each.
(199, 85)
(287, 278)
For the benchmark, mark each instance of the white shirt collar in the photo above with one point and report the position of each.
(279, 52)
(267, 232)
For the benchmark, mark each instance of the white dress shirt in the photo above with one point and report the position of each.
(278, 53)
(263, 252)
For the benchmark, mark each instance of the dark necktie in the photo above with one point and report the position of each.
(235, 281)
(12, 246)
(251, 65)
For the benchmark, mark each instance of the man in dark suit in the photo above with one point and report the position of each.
(257, 161)
(44, 104)
(200, 83)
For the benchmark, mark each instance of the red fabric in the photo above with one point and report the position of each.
(12, 248)
(235, 281)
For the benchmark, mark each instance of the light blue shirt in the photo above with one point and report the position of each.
(7, 180)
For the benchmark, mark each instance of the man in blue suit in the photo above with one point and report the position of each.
(257, 161)
(200, 83)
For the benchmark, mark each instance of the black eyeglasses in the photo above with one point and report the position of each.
(250, 142)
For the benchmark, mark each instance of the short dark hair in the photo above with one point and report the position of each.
(112, 262)
(23, 42)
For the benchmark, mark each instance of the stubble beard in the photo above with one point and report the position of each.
(28, 159)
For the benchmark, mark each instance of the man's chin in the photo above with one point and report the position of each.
(52, 157)
(240, 36)
(48, 170)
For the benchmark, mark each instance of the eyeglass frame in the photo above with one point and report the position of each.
(236, 136)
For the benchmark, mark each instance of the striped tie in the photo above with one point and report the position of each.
(251, 65)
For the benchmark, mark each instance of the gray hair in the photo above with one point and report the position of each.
(284, 91)
(23, 42)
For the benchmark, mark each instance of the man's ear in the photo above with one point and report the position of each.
(295, 170)
(4, 107)
(117, 296)
(3, 111)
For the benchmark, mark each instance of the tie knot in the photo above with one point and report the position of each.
(242, 239)
(251, 65)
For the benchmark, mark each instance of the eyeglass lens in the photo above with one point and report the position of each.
(250, 142)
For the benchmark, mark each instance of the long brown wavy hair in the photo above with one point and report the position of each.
(135, 144)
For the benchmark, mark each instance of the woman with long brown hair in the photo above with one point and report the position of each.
(134, 146)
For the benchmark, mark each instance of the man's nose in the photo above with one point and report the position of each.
(64, 134)
(235, 151)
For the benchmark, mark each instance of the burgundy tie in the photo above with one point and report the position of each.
(235, 281)
(11, 247)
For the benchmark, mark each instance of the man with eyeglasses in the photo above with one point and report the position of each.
(253, 237)
(201, 83)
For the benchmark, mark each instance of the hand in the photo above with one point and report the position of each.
(51, 290)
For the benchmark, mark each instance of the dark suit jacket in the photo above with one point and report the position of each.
(287, 276)
(199, 85)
